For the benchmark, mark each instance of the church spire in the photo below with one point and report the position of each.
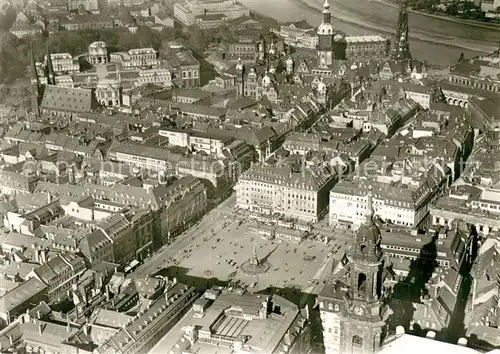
(33, 72)
(401, 45)
(51, 77)
(327, 15)
(35, 84)
(369, 209)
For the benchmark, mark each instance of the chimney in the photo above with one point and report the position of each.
(40, 329)
(38, 314)
(49, 198)
(11, 340)
(86, 329)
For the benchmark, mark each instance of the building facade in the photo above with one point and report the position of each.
(299, 34)
(64, 63)
(366, 48)
(301, 195)
(186, 12)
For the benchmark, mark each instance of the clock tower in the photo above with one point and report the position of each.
(352, 304)
(326, 34)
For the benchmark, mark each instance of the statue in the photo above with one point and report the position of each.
(255, 259)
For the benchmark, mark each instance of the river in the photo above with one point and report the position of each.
(436, 40)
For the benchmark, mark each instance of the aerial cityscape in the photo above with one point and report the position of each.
(249, 176)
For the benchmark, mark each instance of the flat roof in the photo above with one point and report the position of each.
(225, 317)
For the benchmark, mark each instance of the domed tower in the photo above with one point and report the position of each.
(289, 65)
(364, 324)
(266, 80)
(240, 78)
(326, 35)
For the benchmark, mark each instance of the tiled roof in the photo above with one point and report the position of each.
(56, 98)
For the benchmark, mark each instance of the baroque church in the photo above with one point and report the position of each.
(353, 304)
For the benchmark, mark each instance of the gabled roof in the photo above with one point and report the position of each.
(66, 99)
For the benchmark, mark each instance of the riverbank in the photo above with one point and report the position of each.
(362, 17)
(435, 38)
(486, 25)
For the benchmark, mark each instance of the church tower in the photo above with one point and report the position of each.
(326, 35)
(36, 90)
(401, 49)
(352, 305)
(51, 76)
(240, 78)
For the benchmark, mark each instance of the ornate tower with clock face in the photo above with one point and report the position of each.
(326, 34)
(352, 303)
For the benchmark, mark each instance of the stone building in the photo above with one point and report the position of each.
(298, 193)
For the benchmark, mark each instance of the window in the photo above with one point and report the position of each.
(361, 282)
(357, 341)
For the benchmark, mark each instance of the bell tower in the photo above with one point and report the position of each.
(353, 306)
(364, 324)
(326, 35)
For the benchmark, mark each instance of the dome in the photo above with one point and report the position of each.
(266, 80)
(239, 66)
(325, 28)
(368, 232)
(321, 86)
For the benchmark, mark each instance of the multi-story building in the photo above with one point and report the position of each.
(80, 22)
(244, 51)
(211, 21)
(130, 233)
(186, 12)
(63, 63)
(142, 57)
(210, 143)
(185, 67)
(160, 77)
(227, 318)
(91, 6)
(294, 193)
(189, 95)
(486, 117)
(480, 73)
(141, 333)
(22, 30)
(476, 206)
(475, 77)
(59, 274)
(299, 34)
(16, 301)
(474, 196)
(398, 199)
(481, 317)
(366, 48)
